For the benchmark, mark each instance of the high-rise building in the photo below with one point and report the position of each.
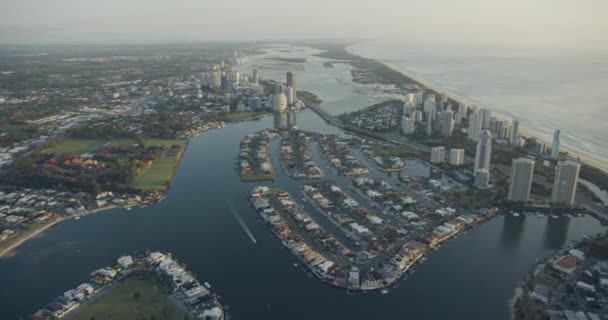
(429, 124)
(456, 157)
(522, 172)
(486, 115)
(291, 82)
(515, 132)
(430, 106)
(482, 179)
(236, 77)
(279, 102)
(438, 155)
(217, 80)
(483, 152)
(407, 125)
(447, 123)
(475, 126)
(289, 92)
(541, 148)
(279, 88)
(505, 132)
(416, 115)
(555, 145)
(256, 77)
(566, 181)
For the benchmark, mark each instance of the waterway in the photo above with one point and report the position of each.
(471, 277)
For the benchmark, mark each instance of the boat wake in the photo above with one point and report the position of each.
(238, 218)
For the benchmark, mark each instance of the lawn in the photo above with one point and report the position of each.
(76, 146)
(135, 298)
(240, 116)
(157, 176)
(166, 142)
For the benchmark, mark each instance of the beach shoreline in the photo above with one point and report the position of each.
(6, 252)
(526, 132)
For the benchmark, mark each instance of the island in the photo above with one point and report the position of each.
(152, 285)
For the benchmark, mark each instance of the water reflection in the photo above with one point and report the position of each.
(556, 232)
(285, 120)
(512, 232)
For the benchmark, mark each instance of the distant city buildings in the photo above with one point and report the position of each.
(566, 182)
(555, 145)
(515, 133)
(429, 124)
(279, 102)
(475, 126)
(486, 116)
(483, 155)
(291, 82)
(255, 79)
(522, 172)
(447, 123)
(408, 125)
(456, 157)
(438, 155)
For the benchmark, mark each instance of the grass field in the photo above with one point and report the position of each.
(135, 298)
(240, 116)
(76, 146)
(155, 177)
(158, 175)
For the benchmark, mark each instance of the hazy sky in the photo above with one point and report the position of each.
(576, 22)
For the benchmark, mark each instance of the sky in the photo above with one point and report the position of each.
(564, 22)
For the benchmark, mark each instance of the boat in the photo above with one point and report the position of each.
(77, 218)
(384, 291)
(295, 264)
(515, 214)
(207, 285)
(540, 215)
(554, 216)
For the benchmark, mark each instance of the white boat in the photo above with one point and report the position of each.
(540, 215)
(553, 216)
(384, 291)
(515, 214)
(207, 285)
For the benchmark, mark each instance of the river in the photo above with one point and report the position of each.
(471, 277)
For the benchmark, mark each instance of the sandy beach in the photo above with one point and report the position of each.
(527, 132)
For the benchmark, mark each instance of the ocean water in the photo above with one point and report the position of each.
(544, 88)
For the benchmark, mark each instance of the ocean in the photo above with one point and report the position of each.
(544, 88)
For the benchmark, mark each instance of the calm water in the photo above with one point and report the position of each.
(470, 278)
(544, 88)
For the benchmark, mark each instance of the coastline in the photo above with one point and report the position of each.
(5, 253)
(527, 132)
(9, 250)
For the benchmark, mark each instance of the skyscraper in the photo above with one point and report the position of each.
(475, 126)
(291, 82)
(515, 132)
(447, 123)
(486, 115)
(407, 125)
(566, 181)
(483, 152)
(279, 102)
(482, 179)
(522, 172)
(289, 92)
(456, 157)
(555, 145)
(429, 124)
(437, 155)
(256, 77)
